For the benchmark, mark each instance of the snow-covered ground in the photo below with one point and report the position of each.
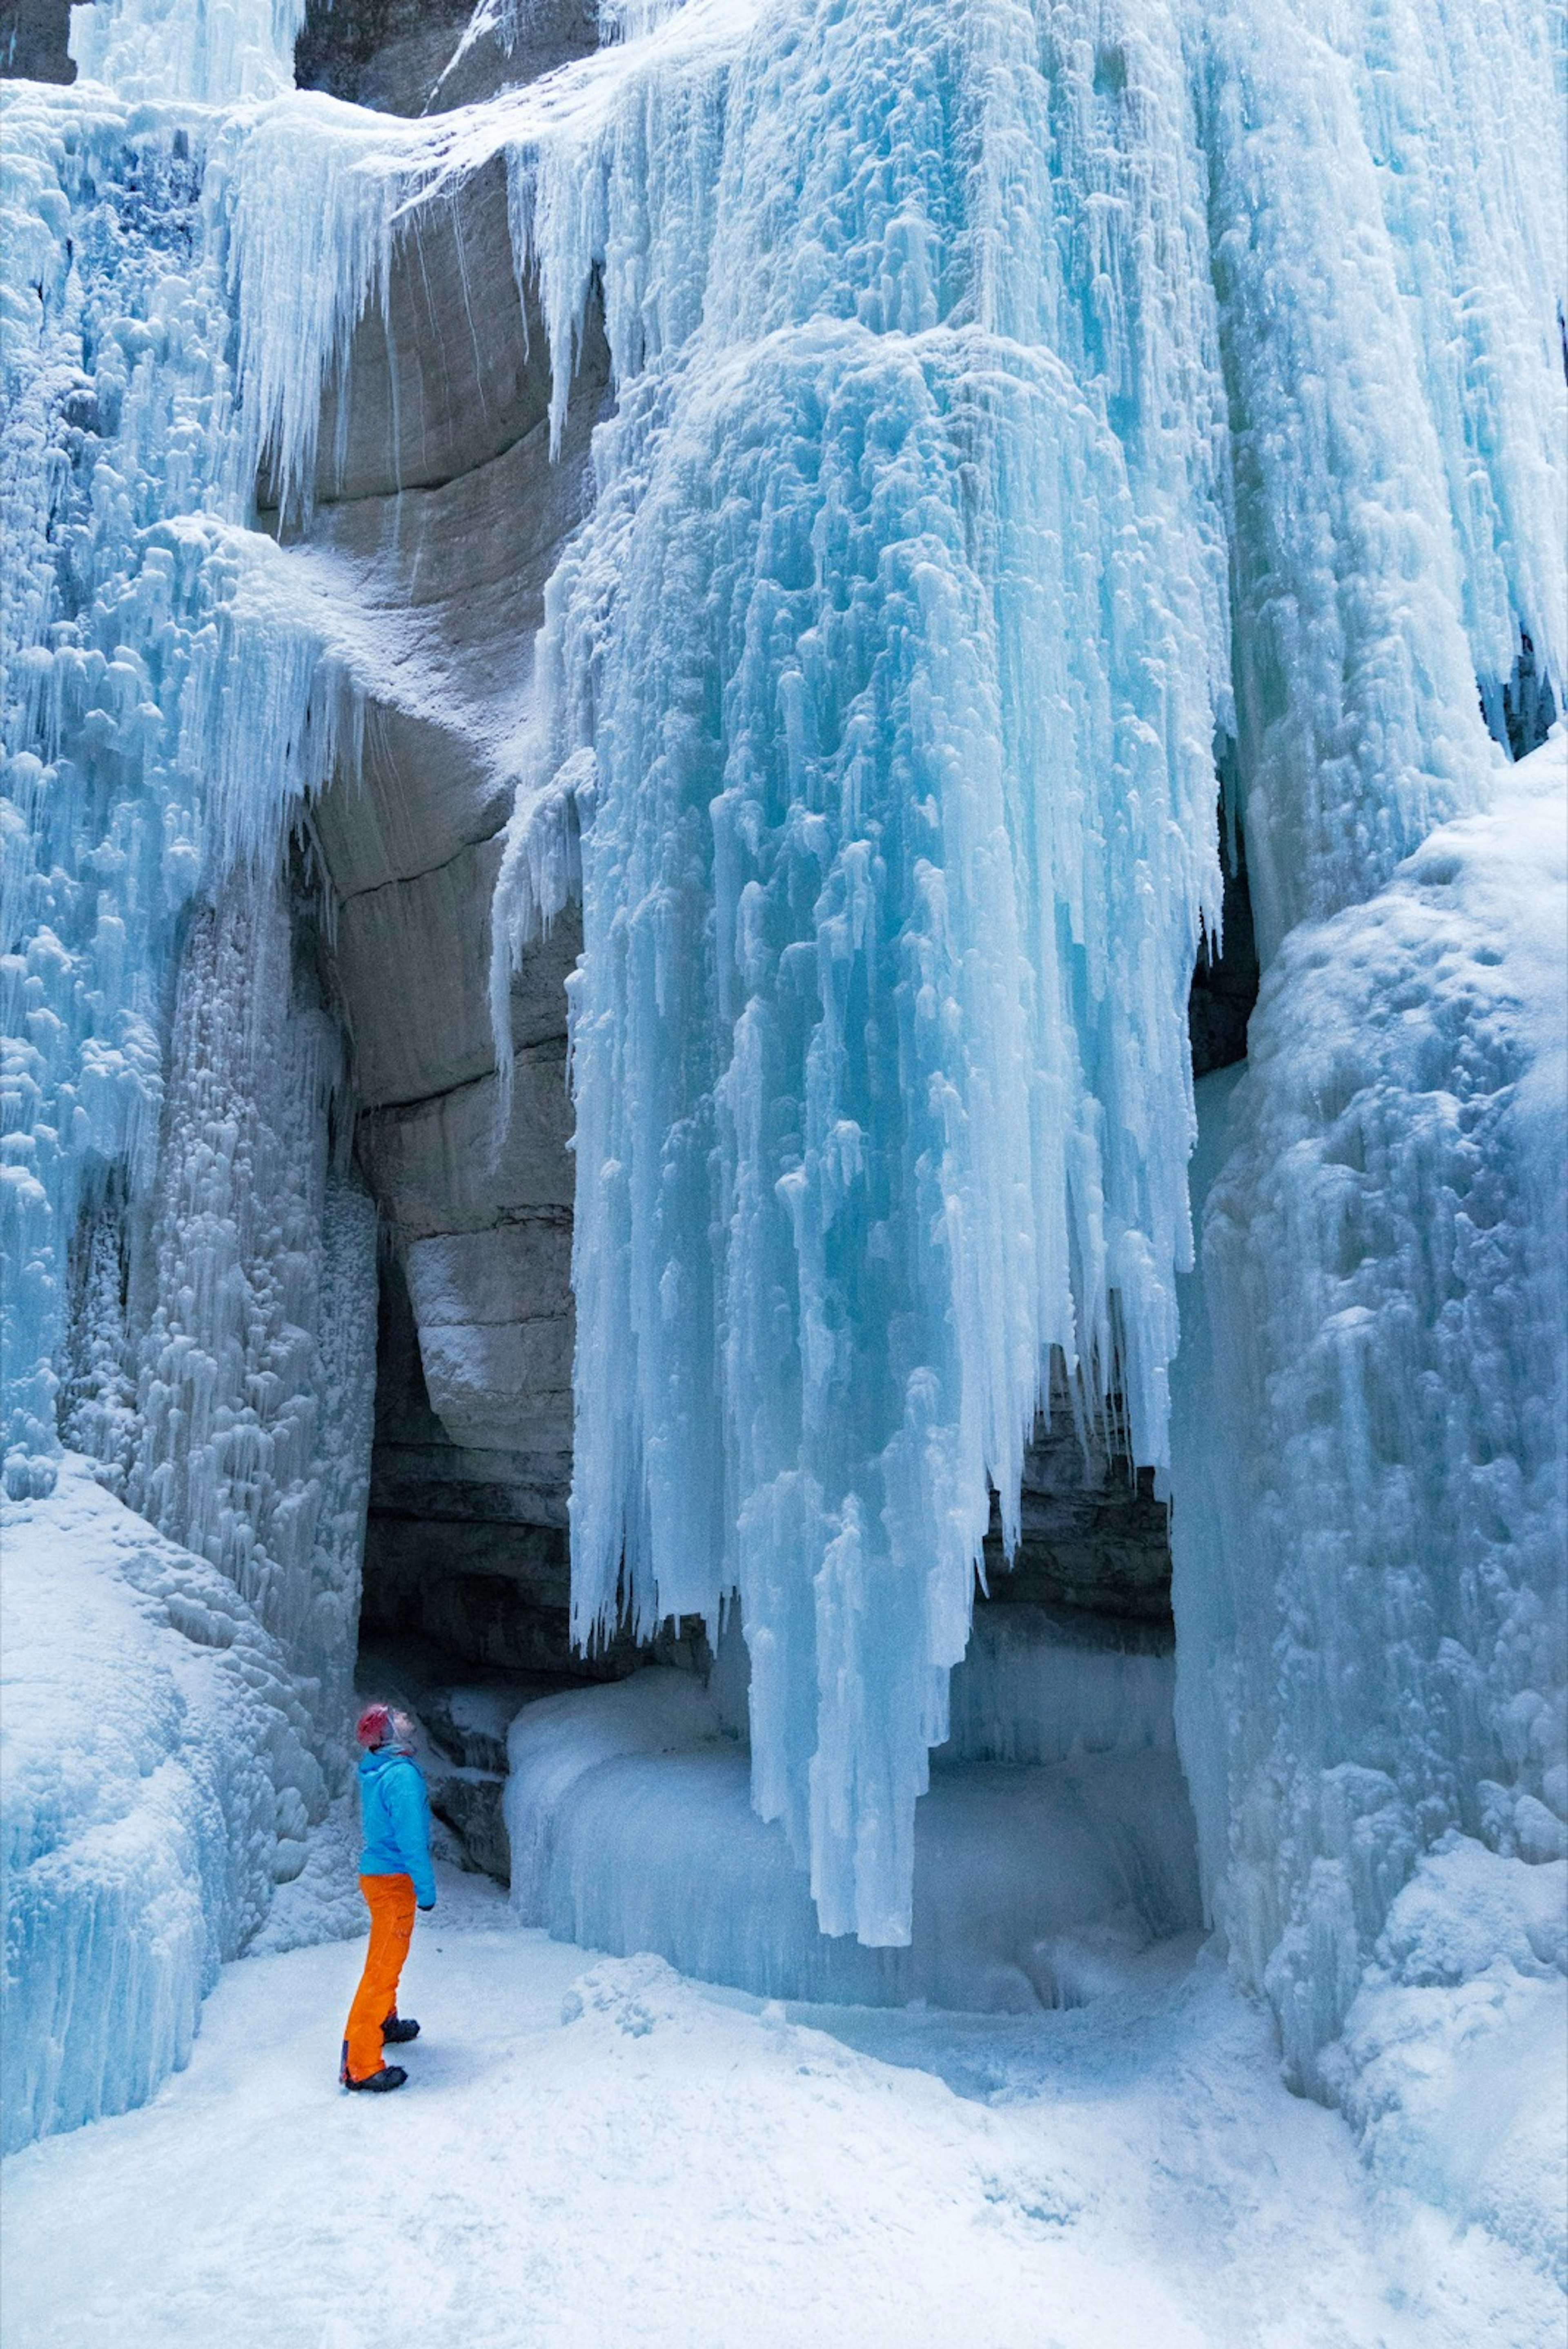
(600, 2153)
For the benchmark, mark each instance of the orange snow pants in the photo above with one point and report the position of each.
(391, 1901)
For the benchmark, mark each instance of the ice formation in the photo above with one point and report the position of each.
(157, 1774)
(1016, 405)
(1369, 1530)
(961, 355)
(631, 1828)
(190, 1290)
(188, 1293)
(213, 52)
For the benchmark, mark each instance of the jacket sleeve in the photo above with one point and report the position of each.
(409, 1809)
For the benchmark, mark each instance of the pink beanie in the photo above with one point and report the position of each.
(374, 1725)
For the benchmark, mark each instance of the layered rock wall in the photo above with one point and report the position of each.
(439, 516)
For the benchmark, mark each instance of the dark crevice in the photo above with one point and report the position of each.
(1225, 985)
(1520, 710)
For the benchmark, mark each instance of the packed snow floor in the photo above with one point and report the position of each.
(593, 2154)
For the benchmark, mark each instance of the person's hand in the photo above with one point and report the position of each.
(426, 1905)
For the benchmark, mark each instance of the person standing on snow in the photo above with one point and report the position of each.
(394, 1875)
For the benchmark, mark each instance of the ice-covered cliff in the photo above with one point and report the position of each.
(844, 485)
(189, 1293)
(190, 1290)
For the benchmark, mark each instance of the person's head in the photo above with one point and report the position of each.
(382, 1727)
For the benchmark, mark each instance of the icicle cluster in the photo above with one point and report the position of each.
(1382, 189)
(169, 1239)
(959, 357)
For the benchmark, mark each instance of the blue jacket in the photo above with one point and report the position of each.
(395, 1817)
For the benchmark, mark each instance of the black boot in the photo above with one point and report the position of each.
(398, 2029)
(380, 2084)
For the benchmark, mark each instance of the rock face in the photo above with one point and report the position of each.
(421, 57)
(1093, 1541)
(33, 41)
(440, 515)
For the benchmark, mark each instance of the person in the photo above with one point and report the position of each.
(395, 1876)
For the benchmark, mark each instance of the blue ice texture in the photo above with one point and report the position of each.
(1018, 406)
(189, 1292)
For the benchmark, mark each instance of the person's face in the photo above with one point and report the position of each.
(405, 1730)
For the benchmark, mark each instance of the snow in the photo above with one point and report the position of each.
(594, 2151)
(1368, 1534)
(1455, 2053)
(158, 1779)
(630, 1829)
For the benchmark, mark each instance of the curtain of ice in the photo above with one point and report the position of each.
(883, 689)
(176, 1243)
(1381, 238)
(956, 359)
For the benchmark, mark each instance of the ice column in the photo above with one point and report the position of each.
(885, 680)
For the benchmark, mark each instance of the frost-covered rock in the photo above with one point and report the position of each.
(157, 1780)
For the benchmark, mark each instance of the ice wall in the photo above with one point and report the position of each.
(157, 1774)
(190, 1287)
(996, 385)
(1370, 1513)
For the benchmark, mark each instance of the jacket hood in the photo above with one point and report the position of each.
(371, 1763)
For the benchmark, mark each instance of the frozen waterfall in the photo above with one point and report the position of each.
(1012, 419)
(191, 1289)
(189, 1294)
(957, 371)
